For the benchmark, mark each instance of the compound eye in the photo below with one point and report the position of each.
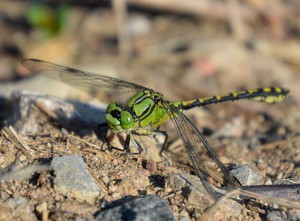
(127, 121)
(115, 114)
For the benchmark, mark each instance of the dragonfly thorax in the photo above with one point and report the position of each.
(118, 118)
(142, 110)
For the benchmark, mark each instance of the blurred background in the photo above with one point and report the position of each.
(184, 49)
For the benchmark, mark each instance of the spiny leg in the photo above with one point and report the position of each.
(143, 132)
(164, 133)
(147, 132)
(129, 139)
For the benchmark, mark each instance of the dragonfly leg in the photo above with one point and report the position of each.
(126, 146)
(129, 139)
(154, 133)
(103, 137)
(127, 142)
(164, 133)
(100, 126)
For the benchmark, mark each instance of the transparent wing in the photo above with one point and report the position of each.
(204, 159)
(106, 88)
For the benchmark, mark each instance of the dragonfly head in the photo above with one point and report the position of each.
(118, 118)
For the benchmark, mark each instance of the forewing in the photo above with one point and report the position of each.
(106, 88)
(204, 159)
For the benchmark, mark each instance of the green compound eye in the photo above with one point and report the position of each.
(127, 121)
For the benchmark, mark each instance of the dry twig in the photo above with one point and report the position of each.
(11, 135)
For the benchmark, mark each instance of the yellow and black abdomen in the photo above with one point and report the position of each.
(268, 95)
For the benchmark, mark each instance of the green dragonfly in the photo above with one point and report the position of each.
(139, 109)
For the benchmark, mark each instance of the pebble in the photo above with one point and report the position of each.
(283, 216)
(140, 208)
(12, 208)
(246, 175)
(17, 201)
(22, 158)
(73, 179)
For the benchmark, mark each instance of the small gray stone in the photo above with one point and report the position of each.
(245, 175)
(16, 208)
(293, 215)
(17, 201)
(73, 179)
(283, 216)
(141, 208)
(276, 216)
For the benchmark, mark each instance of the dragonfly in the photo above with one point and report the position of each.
(140, 109)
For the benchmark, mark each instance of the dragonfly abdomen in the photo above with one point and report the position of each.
(268, 95)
